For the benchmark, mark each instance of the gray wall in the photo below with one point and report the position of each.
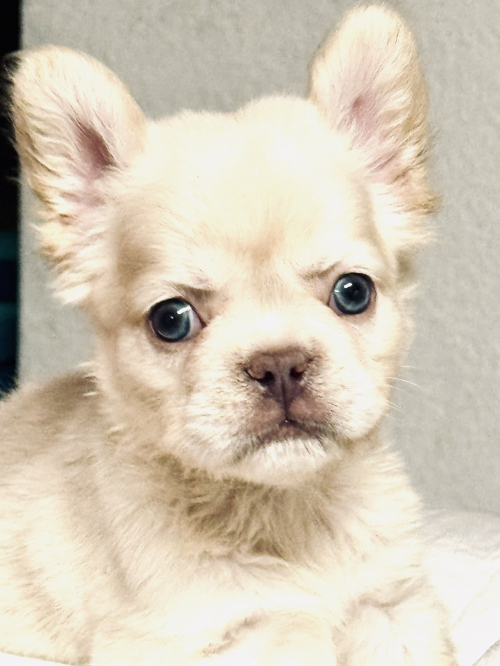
(217, 54)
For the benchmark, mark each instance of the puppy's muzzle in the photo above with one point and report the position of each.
(282, 374)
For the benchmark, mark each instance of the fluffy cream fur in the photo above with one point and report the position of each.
(165, 505)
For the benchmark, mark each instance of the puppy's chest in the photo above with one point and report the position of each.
(246, 566)
(251, 550)
(237, 588)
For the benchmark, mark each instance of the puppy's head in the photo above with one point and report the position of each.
(246, 273)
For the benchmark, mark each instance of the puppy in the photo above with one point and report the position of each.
(213, 488)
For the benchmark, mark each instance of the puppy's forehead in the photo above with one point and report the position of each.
(268, 183)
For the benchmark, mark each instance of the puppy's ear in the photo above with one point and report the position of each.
(367, 82)
(76, 127)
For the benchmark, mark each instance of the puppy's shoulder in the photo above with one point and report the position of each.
(39, 419)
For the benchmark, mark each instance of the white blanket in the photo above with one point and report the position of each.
(464, 564)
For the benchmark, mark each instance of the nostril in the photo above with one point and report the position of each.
(297, 371)
(268, 378)
(257, 370)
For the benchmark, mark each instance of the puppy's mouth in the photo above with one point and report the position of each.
(289, 437)
(288, 429)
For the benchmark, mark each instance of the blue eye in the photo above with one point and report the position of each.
(174, 320)
(352, 293)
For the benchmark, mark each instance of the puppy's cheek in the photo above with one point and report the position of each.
(361, 387)
(214, 423)
(356, 400)
(163, 396)
(142, 383)
(360, 412)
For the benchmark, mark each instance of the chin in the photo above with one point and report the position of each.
(283, 462)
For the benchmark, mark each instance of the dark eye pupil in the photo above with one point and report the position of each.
(352, 293)
(172, 320)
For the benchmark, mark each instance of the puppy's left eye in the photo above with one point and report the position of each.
(174, 320)
(352, 294)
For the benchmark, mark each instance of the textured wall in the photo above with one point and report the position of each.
(217, 54)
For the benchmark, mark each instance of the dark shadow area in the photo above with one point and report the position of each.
(10, 25)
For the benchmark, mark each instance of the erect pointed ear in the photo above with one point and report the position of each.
(367, 82)
(76, 126)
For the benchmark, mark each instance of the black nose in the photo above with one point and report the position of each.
(280, 373)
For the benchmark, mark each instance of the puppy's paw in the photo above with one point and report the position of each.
(381, 636)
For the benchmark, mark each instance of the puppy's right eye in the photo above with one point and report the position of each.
(174, 320)
(352, 294)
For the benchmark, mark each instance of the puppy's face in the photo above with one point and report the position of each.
(245, 273)
(230, 310)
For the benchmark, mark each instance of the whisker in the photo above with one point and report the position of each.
(407, 381)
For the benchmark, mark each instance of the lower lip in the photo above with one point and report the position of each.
(286, 431)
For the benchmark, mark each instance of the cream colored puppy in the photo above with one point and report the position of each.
(214, 489)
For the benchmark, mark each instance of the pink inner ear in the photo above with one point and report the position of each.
(91, 160)
(94, 151)
(363, 117)
(365, 125)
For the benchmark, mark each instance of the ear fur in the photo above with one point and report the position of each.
(367, 82)
(75, 125)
